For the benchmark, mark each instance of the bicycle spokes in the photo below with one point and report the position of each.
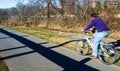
(82, 48)
(107, 56)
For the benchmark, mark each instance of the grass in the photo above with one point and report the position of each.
(51, 35)
(3, 66)
(115, 35)
(60, 37)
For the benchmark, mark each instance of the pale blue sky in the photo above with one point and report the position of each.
(9, 3)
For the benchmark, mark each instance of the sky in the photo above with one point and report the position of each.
(12, 3)
(9, 3)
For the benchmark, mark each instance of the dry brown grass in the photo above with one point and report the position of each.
(115, 35)
(3, 66)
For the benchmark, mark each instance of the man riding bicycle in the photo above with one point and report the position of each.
(101, 32)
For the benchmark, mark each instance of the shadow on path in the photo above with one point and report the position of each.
(12, 48)
(116, 44)
(65, 62)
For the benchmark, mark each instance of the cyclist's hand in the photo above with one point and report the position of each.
(82, 30)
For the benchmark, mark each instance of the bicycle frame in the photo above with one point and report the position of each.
(88, 40)
(91, 44)
(106, 52)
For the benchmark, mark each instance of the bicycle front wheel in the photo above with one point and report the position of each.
(82, 47)
(107, 55)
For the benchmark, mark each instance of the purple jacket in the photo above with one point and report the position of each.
(98, 24)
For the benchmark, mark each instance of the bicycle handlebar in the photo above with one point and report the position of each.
(87, 32)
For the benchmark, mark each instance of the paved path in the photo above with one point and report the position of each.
(23, 52)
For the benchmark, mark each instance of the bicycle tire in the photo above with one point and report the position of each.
(110, 57)
(82, 47)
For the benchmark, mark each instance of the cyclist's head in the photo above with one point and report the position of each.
(93, 15)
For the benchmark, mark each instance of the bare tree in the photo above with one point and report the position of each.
(3, 15)
(48, 13)
(21, 9)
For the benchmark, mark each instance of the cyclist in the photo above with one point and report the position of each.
(101, 28)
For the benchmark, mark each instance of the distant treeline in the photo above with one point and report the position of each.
(63, 13)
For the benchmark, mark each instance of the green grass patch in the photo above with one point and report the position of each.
(48, 35)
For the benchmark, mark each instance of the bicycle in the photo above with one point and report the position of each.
(106, 52)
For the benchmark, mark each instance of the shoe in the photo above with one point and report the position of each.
(93, 57)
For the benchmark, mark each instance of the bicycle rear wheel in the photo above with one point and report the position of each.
(82, 47)
(107, 55)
